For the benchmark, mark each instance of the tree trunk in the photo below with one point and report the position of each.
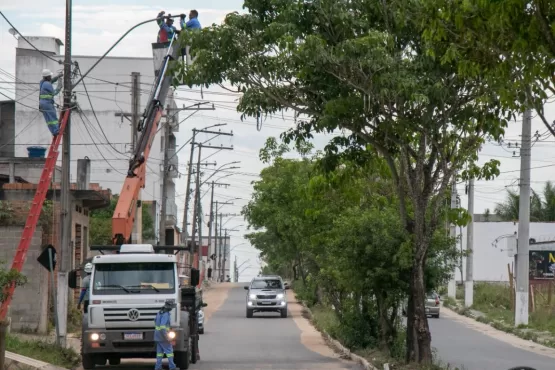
(421, 328)
(3, 331)
(412, 340)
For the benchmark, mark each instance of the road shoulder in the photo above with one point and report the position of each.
(490, 331)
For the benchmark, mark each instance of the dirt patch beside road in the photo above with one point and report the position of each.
(215, 296)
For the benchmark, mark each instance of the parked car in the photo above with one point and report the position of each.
(432, 304)
(266, 294)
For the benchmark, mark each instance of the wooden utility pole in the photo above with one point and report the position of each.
(66, 204)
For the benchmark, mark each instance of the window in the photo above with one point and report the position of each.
(134, 278)
(266, 284)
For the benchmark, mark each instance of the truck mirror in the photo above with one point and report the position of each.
(204, 304)
(72, 279)
(195, 277)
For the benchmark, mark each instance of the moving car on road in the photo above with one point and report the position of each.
(266, 294)
(432, 304)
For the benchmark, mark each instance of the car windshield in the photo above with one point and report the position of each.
(266, 284)
(431, 296)
(134, 278)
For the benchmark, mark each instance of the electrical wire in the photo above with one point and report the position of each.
(24, 38)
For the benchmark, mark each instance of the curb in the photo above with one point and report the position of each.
(14, 361)
(343, 351)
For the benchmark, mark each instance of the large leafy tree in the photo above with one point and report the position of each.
(360, 66)
(511, 43)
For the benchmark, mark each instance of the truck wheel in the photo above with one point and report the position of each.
(284, 313)
(194, 349)
(249, 313)
(87, 361)
(114, 361)
(182, 360)
(201, 331)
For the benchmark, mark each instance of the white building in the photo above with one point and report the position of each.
(104, 139)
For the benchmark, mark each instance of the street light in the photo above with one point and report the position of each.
(238, 245)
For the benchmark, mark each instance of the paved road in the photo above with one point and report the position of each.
(457, 344)
(233, 342)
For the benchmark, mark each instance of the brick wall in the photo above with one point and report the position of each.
(29, 307)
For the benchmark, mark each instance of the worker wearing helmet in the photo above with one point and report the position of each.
(85, 284)
(167, 29)
(161, 336)
(46, 100)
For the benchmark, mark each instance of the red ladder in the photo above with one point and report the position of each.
(34, 212)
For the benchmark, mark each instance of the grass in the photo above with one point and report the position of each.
(324, 319)
(43, 351)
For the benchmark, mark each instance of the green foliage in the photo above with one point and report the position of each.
(101, 223)
(6, 213)
(361, 67)
(9, 277)
(43, 351)
(542, 207)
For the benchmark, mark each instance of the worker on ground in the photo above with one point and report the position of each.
(192, 23)
(46, 100)
(85, 284)
(161, 336)
(167, 29)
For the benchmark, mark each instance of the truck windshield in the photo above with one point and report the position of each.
(134, 278)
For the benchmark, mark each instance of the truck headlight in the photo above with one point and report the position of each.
(171, 335)
(95, 336)
(252, 296)
(280, 296)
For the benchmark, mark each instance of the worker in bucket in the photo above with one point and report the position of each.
(162, 336)
(85, 284)
(46, 100)
(192, 23)
(167, 29)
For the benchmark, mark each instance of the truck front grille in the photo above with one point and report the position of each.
(266, 296)
(129, 314)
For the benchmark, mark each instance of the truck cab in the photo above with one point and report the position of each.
(127, 290)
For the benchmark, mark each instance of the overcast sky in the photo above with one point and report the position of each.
(96, 27)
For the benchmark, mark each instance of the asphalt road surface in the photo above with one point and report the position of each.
(231, 341)
(465, 348)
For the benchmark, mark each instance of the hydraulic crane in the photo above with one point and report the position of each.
(124, 214)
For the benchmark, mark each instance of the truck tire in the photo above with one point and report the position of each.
(182, 360)
(249, 313)
(284, 313)
(87, 361)
(194, 349)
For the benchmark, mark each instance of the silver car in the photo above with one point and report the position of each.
(432, 304)
(266, 294)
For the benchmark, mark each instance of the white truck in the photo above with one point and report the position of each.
(127, 289)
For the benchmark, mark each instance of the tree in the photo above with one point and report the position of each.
(542, 208)
(342, 232)
(359, 66)
(510, 43)
(8, 277)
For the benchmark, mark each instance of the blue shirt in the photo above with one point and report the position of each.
(191, 24)
(47, 91)
(161, 326)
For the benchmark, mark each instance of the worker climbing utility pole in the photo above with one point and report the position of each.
(66, 206)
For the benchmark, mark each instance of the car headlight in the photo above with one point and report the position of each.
(94, 337)
(252, 296)
(171, 334)
(280, 296)
(201, 314)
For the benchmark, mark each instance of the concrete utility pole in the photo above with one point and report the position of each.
(66, 204)
(188, 188)
(216, 234)
(469, 283)
(163, 199)
(452, 285)
(135, 117)
(235, 272)
(194, 250)
(211, 250)
(220, 249)
(523, 247)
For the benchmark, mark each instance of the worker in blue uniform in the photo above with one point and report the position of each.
(85, 286)
(167, 29)
(46, 100)
(192, 23)
(161, 336)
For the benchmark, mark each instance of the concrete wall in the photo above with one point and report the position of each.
(29, 308)
(490, 257)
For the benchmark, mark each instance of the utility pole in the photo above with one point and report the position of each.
(66, 204)
(215, 269)
(235, 272)
(195, 212)
(220, 250)
(188, 188)
(211, 250)
(469, 283)
(452, 285)
(163, 205)
(522, 262)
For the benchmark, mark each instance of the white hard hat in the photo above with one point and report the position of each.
(88, 268)
(46, 73)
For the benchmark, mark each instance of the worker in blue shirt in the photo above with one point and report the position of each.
(161, 336)
(167, 29)
(192, 23)
(85, 285)
(46, 100)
